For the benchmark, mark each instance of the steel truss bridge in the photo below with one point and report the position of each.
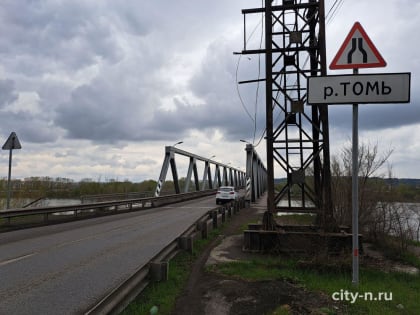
(224, 175)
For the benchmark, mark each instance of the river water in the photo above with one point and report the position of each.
(46, 202)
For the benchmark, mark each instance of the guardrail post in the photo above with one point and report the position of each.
(214, 217)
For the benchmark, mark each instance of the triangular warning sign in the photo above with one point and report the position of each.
(357, 51)
(12, 142)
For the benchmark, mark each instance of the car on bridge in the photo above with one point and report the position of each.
(226, 194)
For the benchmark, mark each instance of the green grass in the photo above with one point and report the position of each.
(164, 294)
(414, 243)
(404, 288)
(411, 259)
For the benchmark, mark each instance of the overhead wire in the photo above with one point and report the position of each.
(259, 74)
(335, 11)
(237, 70)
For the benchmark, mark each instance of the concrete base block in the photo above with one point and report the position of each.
(297, 242)
(229, 212)
(186, 243)
(219, 220)
(223, 213)
(159, 271)
(206, 227)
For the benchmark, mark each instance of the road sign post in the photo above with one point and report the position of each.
(355, 191)
(358, 51)
(11, 143)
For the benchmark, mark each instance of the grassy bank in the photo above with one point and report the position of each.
(402, 289)
(399, 291)
(163, 295)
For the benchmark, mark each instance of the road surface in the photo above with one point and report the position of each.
(68, 268)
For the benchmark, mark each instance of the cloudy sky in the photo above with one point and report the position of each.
(96, 89)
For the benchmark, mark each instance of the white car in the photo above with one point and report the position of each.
(226, 193)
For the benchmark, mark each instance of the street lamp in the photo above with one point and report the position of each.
(177, 143)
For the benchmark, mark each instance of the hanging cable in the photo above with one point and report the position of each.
(237, 71)
(259, 74)
(239, 93)
(253, 119)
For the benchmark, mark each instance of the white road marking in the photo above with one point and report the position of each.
(6, 262)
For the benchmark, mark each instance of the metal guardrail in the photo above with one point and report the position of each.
(117, 196)
(158, 267)
(77, 212)
(33, 202)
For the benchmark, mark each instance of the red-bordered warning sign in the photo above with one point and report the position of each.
(357, 51)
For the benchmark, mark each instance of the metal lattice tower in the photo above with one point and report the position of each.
(297, 135)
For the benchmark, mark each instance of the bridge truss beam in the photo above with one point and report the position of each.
(224, 175)
(256, 173)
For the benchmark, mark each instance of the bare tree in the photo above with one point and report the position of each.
(381, 217)
(370, 190)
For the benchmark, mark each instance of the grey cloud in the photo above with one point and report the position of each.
(45, 36)
(123, 102)
(215, 82)
(60, 38)
(8, 92)
(107, 110)
(28, 127)
(375, 116)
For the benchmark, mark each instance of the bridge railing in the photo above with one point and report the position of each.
(22, 217)
(113, 197)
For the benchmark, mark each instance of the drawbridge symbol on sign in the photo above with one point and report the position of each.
(357, 51)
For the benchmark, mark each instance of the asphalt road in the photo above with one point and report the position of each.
(67, 268)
